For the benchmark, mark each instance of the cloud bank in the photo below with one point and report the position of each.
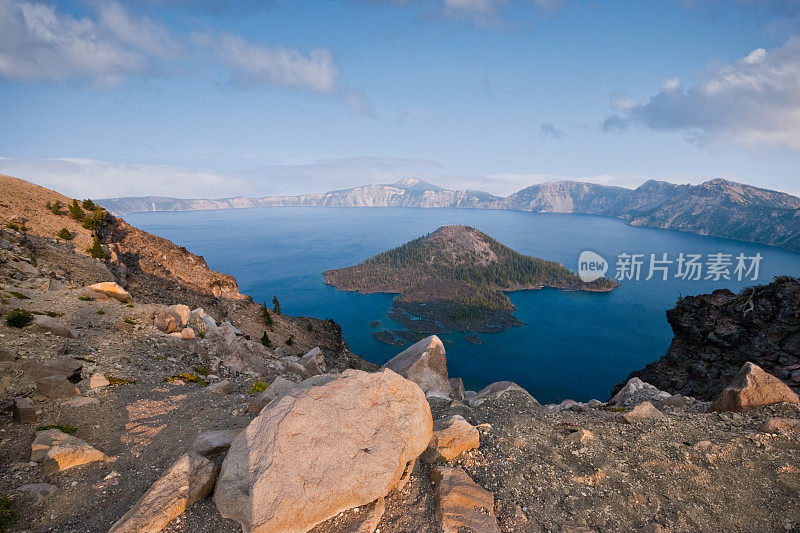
(754, 102)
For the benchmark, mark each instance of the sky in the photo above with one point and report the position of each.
(216, 98)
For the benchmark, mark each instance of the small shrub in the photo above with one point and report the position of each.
(129, 320)
(290, 340)
(19, 318)
(100, 312)
(95, 220)
(89, 205)
(55, 207)
(75, 211)
(65, 234)
(187, 377)
(18, 295)
(69, 430)
(12, 226)
(8, 515)
(203, 371)
(258, 386)
(202, 334)
(85, 298)
(310, 327)
(129, 305)
(265, 340)
(115, 380)
(96, 250)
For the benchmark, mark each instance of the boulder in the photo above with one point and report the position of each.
(213, 442)
(457, 386)
(48, 324)
(752, 388)
(452, 436)
(188, 480)
(775, 425)
(637, 391)
(113, 290)
(276, 389)
(23, 411)
(323, 449)
(642, 412)
(314, 362)
(167, 321)
(69, 368)
(55, 447)
(182, 311)
(56, 387)
(220, 387)
(202, 321)
(98, 381)
(461, 504)
(424, 363)
(497, 390)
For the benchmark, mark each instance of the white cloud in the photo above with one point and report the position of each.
(754, 102)
(39, 43)
(472, 6)
(254, 65)
(550, 131)
(89, 178)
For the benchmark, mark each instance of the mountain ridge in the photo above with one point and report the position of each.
(717, 207)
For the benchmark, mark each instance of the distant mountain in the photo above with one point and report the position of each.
(409, 192)
(457, 277)
(717, 207)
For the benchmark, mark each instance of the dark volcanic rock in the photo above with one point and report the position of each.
(388, 337)
(473, 338)
(717, 333)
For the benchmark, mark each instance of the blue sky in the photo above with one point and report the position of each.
(209, 98)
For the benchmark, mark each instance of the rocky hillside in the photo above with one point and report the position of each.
(715, 334)
(717, 207)
(457, 277)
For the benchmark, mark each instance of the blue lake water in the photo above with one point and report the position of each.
(574, 345)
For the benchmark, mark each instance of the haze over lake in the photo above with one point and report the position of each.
(574, 344)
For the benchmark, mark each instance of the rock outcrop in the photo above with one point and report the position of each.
(452, 436)
(424, 363)
(292, 468)
(717, 333)
(752, 388)
(63, 451)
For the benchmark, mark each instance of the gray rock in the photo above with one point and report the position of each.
(23, 411)
(497, 390)
(457, 384)
(48, 324)
(314, 362)
(221, 387)
(56, 387)
(210, 443)
(35, 492)
(424, 363)
(637, 391)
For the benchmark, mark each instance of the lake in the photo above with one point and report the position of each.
(574, 344)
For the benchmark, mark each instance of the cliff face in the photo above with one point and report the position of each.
(715, 334)
(718, 207)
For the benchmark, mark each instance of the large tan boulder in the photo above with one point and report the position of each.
(188, 480)
(424, 363)
(641, 413)
(752, 388)
(56, 448)
(167, 321)
(461, 504)
(112, 290)
(452, 436)
(320, 450)
(182, 311)
(497, 390)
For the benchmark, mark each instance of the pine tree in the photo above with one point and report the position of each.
(65, 234)
(267, 317)
(55, 207)
(97, 249)
(89, 205)
(75, 211)
(290, 340)
(276, 305)
(265, 340)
